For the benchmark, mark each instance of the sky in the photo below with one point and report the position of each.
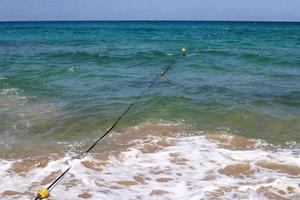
(236, 10)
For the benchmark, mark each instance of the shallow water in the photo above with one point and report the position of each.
(161, 161)
(231, 104)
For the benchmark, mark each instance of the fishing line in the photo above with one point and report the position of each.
(44, 192)
(52, 185)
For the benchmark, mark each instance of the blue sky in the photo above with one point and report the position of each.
(260, 10)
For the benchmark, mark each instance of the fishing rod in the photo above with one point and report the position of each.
(44, 192)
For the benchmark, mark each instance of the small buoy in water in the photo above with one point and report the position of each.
(183, 51)
(43, 193)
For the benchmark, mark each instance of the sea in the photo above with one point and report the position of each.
(222, 123)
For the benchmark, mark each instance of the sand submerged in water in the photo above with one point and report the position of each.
(161, 161)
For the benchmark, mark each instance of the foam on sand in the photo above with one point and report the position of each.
(158, 161)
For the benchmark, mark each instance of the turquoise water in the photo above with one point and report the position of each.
(62, 84)
(63, 81)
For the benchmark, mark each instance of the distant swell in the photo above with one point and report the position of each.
(106, 56)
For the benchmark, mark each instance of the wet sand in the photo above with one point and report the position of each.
(161, 161)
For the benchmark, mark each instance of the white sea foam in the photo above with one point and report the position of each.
(72, 69)
(185, 167)
(11, 97)
(10, 92)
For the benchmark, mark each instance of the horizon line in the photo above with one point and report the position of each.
(142, 20)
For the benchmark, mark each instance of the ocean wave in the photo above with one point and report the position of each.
(159, 161)
(215, 52)
(106, 56)
(268, 59)
(20, 115)
(11, 98)
(10, 92)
